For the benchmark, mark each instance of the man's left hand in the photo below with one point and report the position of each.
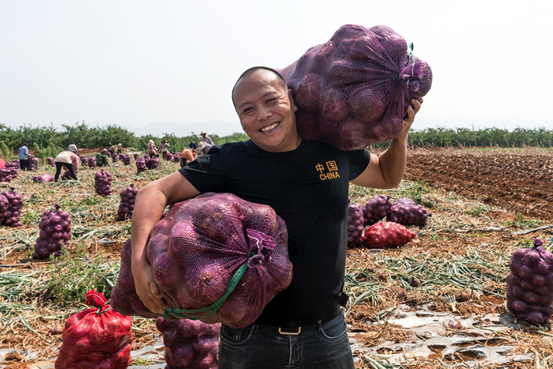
(411, 111)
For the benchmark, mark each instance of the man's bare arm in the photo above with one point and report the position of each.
(149, 206)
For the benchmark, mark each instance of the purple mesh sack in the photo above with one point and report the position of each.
(530, 284)
(353, 90)
(189, 343)
(216, 258)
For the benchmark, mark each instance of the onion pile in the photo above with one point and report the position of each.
(13, 164)
(189, 343)
(7, 174)
(126, 159)
(376, 209)
(406, 212)
(126, 206)
(102, 183)
(355, 225)
(66, 176)
(4, 205)
(530, 284)
(140, 165)
(31, 164)
(15, 201)
(152, 163)
(55, 232)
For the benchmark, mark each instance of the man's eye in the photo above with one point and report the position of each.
(247, 110)
(271, 100)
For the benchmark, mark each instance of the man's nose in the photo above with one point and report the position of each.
(263, 113)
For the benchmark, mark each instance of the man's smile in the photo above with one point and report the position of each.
(269, 128)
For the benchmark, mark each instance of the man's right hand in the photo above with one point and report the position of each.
(149, 205)
(146, 287)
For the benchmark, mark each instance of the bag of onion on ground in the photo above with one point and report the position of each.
(387, 234)
(55, 233)
(66, 176)
(376, 209)
(102, 183)
(406, 212)
(189, 343)
(4, 205)
(140, 165)
(216, 258)
(355, 224)
(530, 284)
(15, 201)
(353, 90)
(126, 205)
(7, 174)
(97, 337)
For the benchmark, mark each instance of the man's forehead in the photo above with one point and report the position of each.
(256, 84)
(260, 76)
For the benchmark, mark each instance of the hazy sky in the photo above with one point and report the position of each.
(136, 62)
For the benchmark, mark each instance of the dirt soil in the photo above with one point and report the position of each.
(514, 180)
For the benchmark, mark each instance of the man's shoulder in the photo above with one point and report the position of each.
(230, 147)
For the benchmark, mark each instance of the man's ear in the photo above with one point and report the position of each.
(292, 103)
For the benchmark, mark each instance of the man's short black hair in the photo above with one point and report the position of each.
(253, 69)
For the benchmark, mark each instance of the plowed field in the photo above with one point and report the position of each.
(514, 180)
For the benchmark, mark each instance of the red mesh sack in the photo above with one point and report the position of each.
(530, 284)
(353, 90)
(387, 234)
(189, 343)
(96, 338)
(216, 258)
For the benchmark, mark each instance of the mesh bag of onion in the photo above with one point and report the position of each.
(216, 258)
(530, 284)
(97, 337)
(189, 343)
(353, 90)
(12, 213)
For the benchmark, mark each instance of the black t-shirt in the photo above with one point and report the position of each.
(308, 188)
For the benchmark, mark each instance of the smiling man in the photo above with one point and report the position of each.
(306, 183)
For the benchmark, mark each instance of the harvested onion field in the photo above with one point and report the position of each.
(436, 302)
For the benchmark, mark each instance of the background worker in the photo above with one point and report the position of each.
(23, 157)
(164, 149)
(102, 158)
(203, 148)
(152, 149)
(206, 138)
(73, 148)
(68, 160)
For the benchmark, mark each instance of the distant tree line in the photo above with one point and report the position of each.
(485, 137)
(49, 141)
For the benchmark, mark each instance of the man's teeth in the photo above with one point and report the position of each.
(269, 128)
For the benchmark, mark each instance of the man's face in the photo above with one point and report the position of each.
(267, 112)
